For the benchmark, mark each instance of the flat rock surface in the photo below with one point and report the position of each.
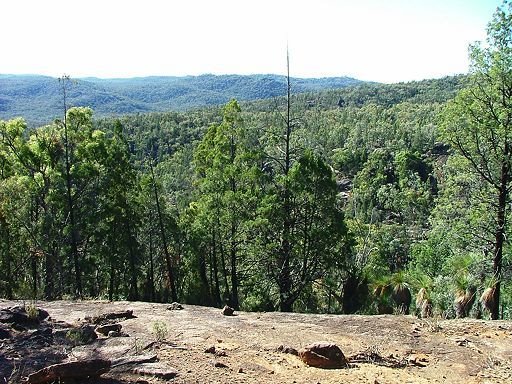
(384, 348)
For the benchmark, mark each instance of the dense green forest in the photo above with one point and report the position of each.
(39, 100)
(352, 200)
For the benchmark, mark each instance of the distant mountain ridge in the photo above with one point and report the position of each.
(39, 98)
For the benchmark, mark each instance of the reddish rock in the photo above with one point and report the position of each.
(228, 311)
(70, 370)
(210, 349)
(218, 364)
(323, 355)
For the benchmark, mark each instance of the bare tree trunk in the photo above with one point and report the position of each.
(500, 235)
(203, 278)
(33, 263)
(111, 281)
(49, 266)
(234, 275)
(168, 260)
(69, 196)
(284, 276)
(216, 287)
(112, 272)
(134, 292)
(7, 258)
(222, 251)
(50, 261)
(233, 246)
(151, 268)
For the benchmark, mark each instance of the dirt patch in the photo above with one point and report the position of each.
(380, 349)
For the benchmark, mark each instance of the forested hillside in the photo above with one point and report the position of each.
(38, 98)
(352, 200)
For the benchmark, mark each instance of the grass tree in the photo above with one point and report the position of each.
(478, 126)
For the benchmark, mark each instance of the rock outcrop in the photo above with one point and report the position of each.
(323, 355)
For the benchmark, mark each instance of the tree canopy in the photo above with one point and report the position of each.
(348, 200)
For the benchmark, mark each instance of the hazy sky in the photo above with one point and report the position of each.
(379, 40)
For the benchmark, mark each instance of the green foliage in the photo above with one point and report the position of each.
(442, 296)
(160, 331)
(429, 256)
(32, 311)
(306, 203)
(81, 336)
(477, 124)
(38, 98)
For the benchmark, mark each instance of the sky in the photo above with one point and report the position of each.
(386, 41)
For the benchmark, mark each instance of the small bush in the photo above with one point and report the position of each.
(32, 311)
(160, 331)
(81, 336)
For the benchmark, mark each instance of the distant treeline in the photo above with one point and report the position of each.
(38, 98)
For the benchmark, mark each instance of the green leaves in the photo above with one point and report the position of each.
(478, 126)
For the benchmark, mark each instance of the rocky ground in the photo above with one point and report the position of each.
(200, 345)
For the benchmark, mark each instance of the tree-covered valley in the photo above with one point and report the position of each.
(39, 98)
(366, 199)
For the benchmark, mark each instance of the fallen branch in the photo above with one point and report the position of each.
(128, 314)
(377, 359)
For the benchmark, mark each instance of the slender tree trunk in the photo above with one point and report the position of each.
(168, 260)
(7, 258)
(284, 279)
(224, 271)
(203, 278)
(234, 276)
(134, 292)
(33, 262)
(8, 269)
(500, 236)
(34, 216)
(49, 262)
(74, 243)
(216, 293)
(112, 266)
(111, 281)
(233, 248)
(49, 266)
(284, 275)
(60, 270)
(69, 197)
(151, 268)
